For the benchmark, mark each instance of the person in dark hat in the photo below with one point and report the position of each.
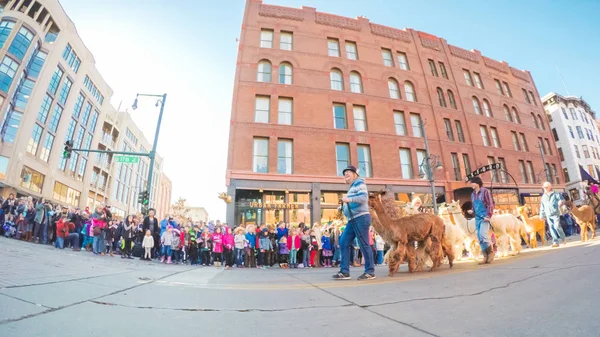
(356, 209)
(483, 208)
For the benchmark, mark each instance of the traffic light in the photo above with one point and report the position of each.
(143, 198)
(68, 149)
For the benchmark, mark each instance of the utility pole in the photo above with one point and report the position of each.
(429, 168)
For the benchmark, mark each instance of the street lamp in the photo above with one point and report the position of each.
(161, 99)
(428, 164)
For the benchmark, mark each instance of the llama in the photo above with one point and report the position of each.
(454, 234)
(534, 225)
(586, 217)
(468, 228)
(507, 228)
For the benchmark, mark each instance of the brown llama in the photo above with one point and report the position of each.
(586, 218)
(420, 227)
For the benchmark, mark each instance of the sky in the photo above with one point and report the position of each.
(188, 49)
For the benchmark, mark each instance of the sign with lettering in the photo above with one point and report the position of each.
(273, 206)
(483, 169)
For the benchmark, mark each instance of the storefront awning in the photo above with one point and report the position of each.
(586, 176)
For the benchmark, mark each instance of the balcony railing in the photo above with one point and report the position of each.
(107, 140)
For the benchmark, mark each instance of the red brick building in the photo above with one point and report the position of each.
(315, 92)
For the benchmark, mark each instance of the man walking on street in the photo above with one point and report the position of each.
(483, 207)
(550, 211)
(356, 210)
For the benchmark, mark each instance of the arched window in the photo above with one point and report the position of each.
(264, 71)
(515, 116)
(337, 80)
(476, 106)
(507, 114)
(441, 98)
(409, 92)
(393, 87)
(535, 121)
(355, 83)
(541, 122)
(285, 73)
(486, 108)
(451, 99)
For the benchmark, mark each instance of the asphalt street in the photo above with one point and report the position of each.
(542, 292)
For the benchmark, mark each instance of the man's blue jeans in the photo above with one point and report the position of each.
(555, 229)
(60, 243)
(98, 244)
(166, 251)
(380, 257)
(239, 256)
(358, 227)
(482, 228)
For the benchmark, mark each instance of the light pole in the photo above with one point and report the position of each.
(541, 147)
(428, 163)
(152, 154)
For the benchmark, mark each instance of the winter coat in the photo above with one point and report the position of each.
(314, 243)
(148, 241)
(176, 245)
(296, 241)
(163, 226)
(251, 237)
(240, 241)
(283, 248)
(151, 225)
(40, 211)
(167, 239)
(379, 243)
(281, 232)
(205, 242)
(217, 239)
(326, 243)
(228, 240)
(265, 243)
(128, 230)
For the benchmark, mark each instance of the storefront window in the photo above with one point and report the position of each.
(3, 164)
(65, 194)
(331, 198)
(403, 198)
(328, 215)
(506, 200)
(533, 202)
(32, 179)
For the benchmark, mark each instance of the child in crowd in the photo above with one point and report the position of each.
(228, 245)
(147, 244)
(314, 247)
(192, 246)
(111, 233)
(293, 244)
(250, 259)
(273, 255)
(357, 258)
(217, 239)
(176, 246)
(205, 246)
(327, 253)
(306, 249)
(21, 225)
(265, 248)
(380, 245)
(166, 240)
(283, 252)
(240, 245)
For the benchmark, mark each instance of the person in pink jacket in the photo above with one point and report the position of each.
(217, 240)
(228, 245)
(294, 244)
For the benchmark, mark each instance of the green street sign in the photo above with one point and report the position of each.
(127, 159)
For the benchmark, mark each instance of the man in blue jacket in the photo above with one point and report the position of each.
(550, 211)
(356, 210)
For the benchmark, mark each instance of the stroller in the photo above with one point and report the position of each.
(10, 230)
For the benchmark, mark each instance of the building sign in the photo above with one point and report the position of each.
(483, 169)
(273, 206)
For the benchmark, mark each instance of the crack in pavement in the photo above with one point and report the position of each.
(354, 304)
(26, 301)
(63, 281)
(220, 310)
(11, 320)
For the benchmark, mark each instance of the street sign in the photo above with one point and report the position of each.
(127, 159)
(483, 169)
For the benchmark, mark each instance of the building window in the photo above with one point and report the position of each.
(579, 132)
(81, 171)
(284, 156)
(476, 106)
(55, 80)
(564, 113)
(264, 71)
(506, 89)
(443, 70)
(451, 99)
(36, 64)
(466, 163)
(541, 123)
(532, 98)
(266, 38)
(478, 81)
(448, 126)
(403, 61)
(421, 154)
(355, 82)
(23, 92)
(571, 131)
(499, 87)
(351, 51)
(507, 114)
(285, 73)
(441, 98)
(515, 116)
(53, 125)
(467, 76)
(64, 91)
(260, 162)
(526, 96)
(5, 30)
(21, 43)
(573, 114)
(388, 61)
(577, 151)
(8, 68)
(535, 121)
(44, 109)
(495, 137)
(432, 67)
(337, 80)
(523, 172)
(400, 123)
(393, 88)
(34, 140)
(486, 108)
(492, 160)
(364, 160)
(285, 111)
(561, 154)
(515, 141)
(455, 166)
(360, 118)
(548, 147)
(530, 172)
(484, 135)
(503, 174)
(261, 109)
(47, 148)
(524, 145)
(285, 41)
(406, 164)
(32, 179)
(459, 131)
(415, 121)
(65, 194)
(339, 116)
(333, 47)
(586, 152)
(409, 92)
(342, 157)
(12, 125)
(566, 174)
